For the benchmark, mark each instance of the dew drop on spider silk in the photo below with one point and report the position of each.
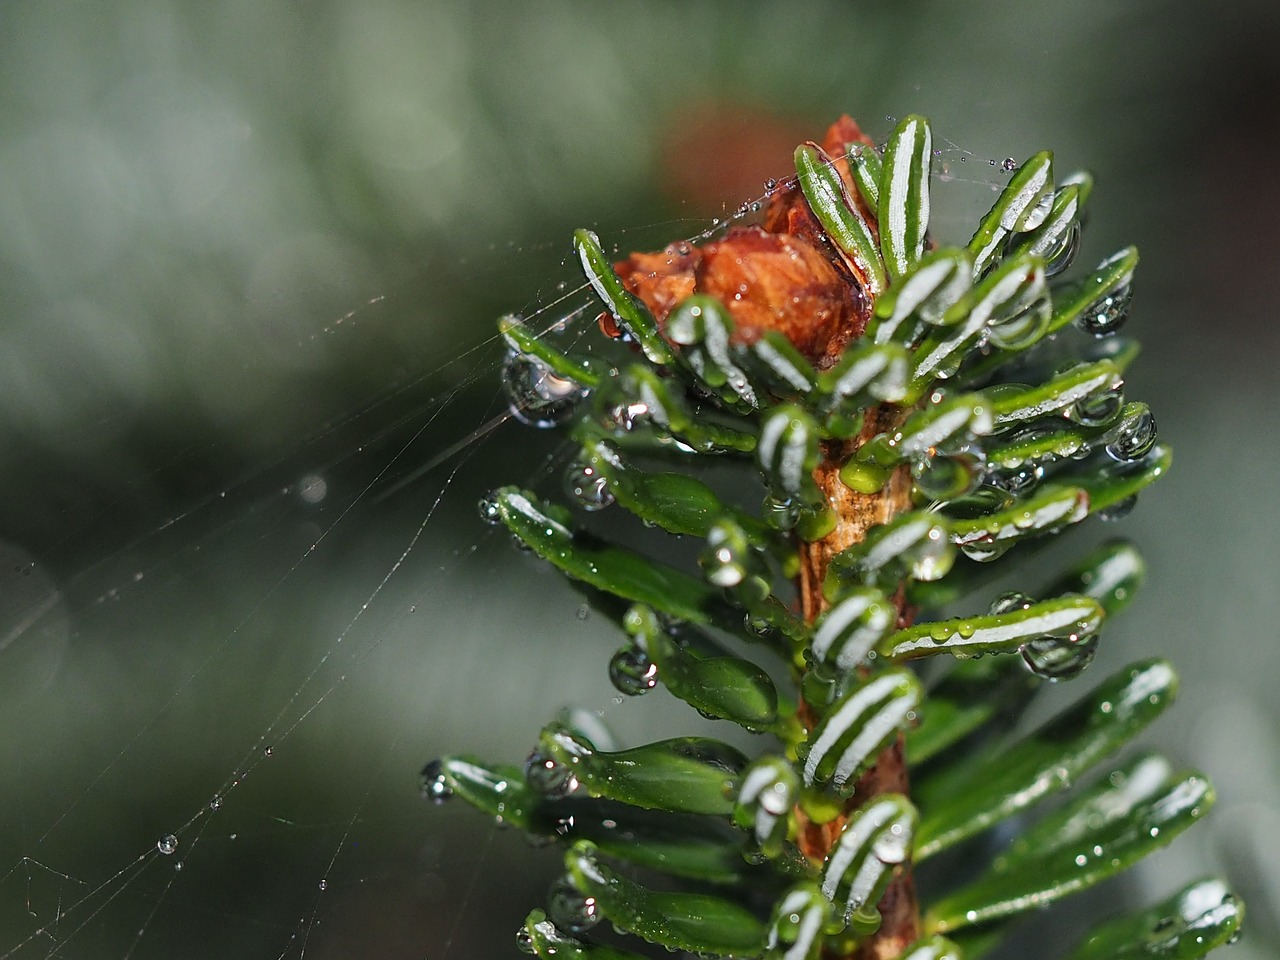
(167, 844)
(524, 941)
(587, 487)
(323, 885)
(1134, 436)
(537, 395)
(435, 784)
(1107, 314)
(549, 776)
(489, 510)
(1098, 409)
(632, 672)
(1064, 254)
(1008, 165)
(1059, 658)
(1118, 510)
(569, 909)
(215, 804)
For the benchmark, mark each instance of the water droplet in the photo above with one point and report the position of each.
(1062, 256)
(571, 910)
(1059, 658)
(435, 783)
(538, 396)
(1021, 329)
(982, 551)
(725, 559)
(1010, 603)
(781, 514)
(893, 845)
(323, 885)
(1118, 510)
(167, 844)
(1019, 481)
(549, 776)
(1008, 165)
(267, 751)
(524, 941)
(1107, 314)
(770, 185)
(584, 611)
(947, 478)
(1098, 409)
(632, 672)
(490, 512)
(1037, 215)
(625, 416)
(587, 487)
(215, 804)
(178, 866)
(1133, 437)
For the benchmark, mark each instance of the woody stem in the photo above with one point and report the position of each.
(857, 513)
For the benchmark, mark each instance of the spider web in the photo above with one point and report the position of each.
(215, 727)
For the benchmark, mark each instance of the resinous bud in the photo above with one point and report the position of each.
(537, 395)
(435, 783)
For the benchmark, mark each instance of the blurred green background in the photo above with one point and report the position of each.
(250, 254)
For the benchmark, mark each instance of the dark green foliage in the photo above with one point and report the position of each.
(1003, 443)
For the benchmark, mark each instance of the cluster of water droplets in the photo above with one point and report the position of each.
(1051, 658)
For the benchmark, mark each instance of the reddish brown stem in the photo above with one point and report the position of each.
(857, 513)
